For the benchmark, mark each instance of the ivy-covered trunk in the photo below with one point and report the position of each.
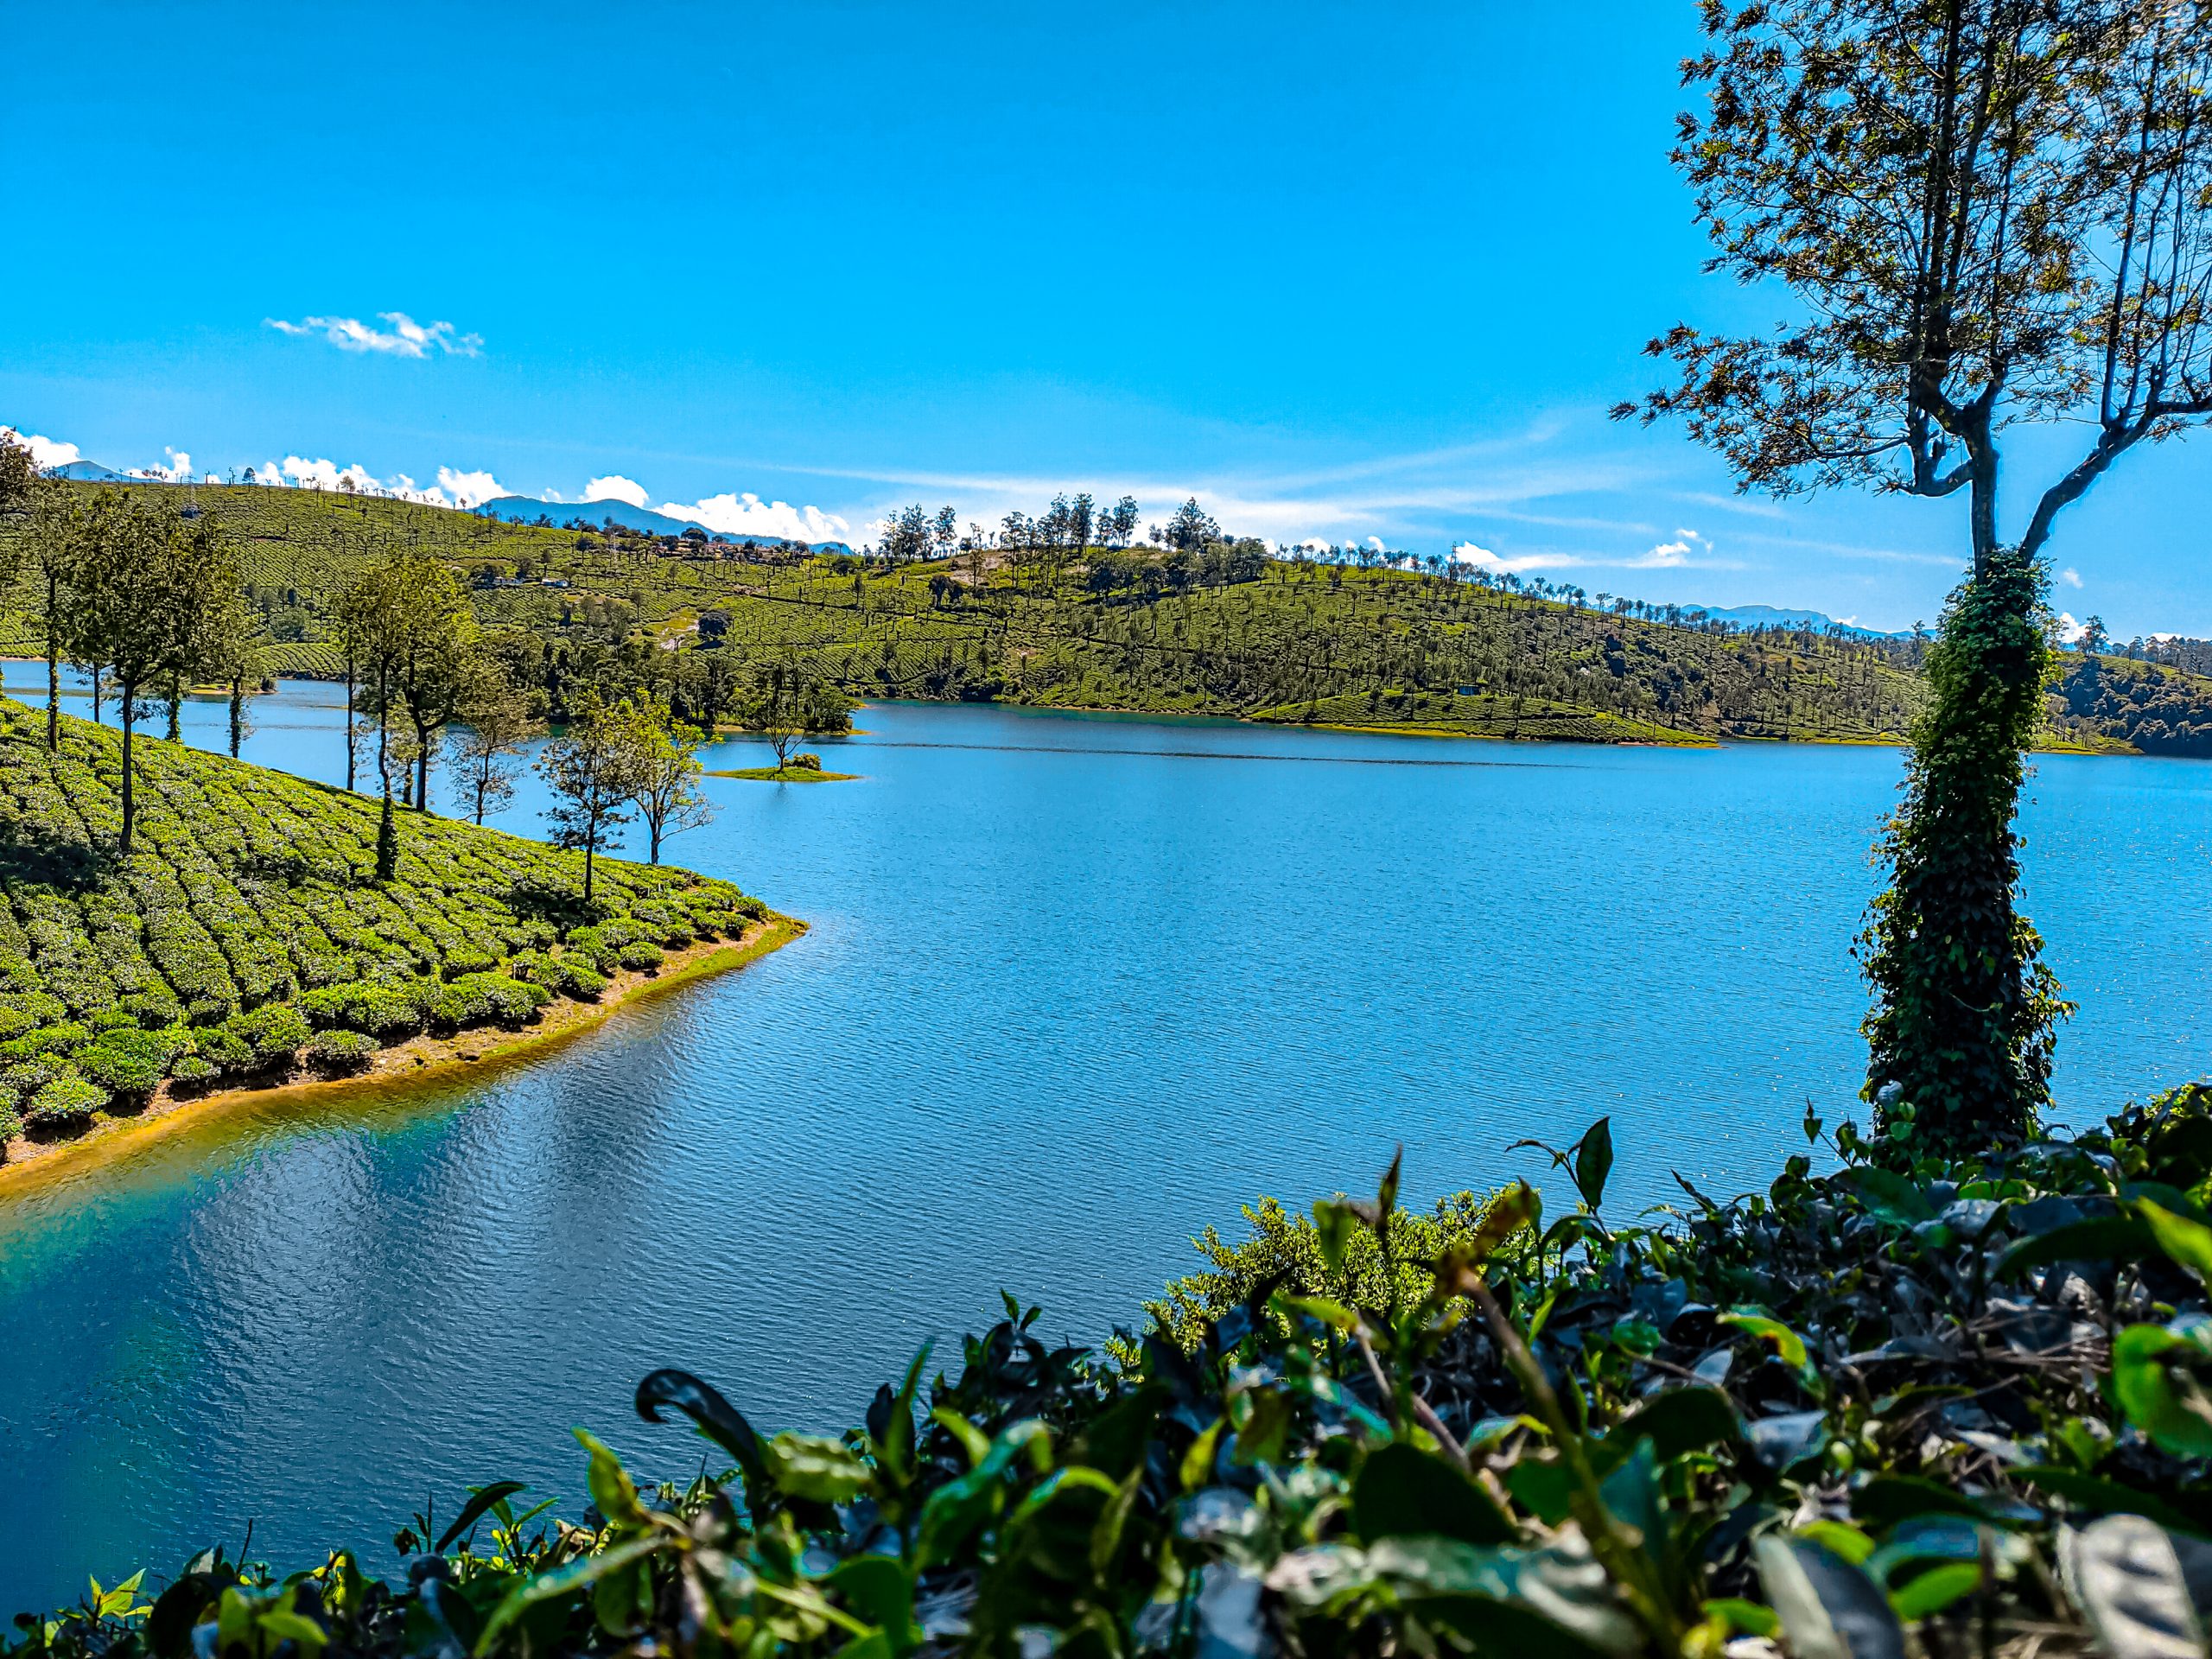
(1961, 1033)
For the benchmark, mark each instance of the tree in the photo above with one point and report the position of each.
(1190, 529)
(146, 589)
(665, 772)
(1989, 211)
(2093, 638)
(440, 661)
(590, 768)
(58, 527)
(788, 703)
(495, 725)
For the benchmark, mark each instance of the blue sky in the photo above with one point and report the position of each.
(1355, 272)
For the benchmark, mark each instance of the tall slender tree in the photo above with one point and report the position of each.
(1987, 211)
(665, 772)
(146, 589)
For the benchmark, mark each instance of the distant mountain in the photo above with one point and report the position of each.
(90, 472)
(1766, 616)
(525, 509)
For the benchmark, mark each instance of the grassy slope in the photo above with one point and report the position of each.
(1382, 649)
(248, 915)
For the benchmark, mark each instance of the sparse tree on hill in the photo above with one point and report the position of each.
(665, 767)
(1190, 529)
(495, 726)
(1990, 211)
(145, 589)
(592, 771)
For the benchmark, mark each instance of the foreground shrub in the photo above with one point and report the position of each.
(1955, 1409)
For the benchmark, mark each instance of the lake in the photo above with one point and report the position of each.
(1077, 985)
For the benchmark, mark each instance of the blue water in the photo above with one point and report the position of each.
(1075, 987)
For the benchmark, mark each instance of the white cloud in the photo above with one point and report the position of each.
(2070, 577)
(46, 453)
(470, 489)
(615, 487)
(1481, 558)
(326, 474)
(1687, 551)
(405, 337)
(2068, 629)
(748, 515)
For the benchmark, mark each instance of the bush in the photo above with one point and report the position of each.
(12, 1125)
(66, 1102)
(807, 762)
(570, 976)
(270, 1034)
(642, 957)
(224, 1050)
(128, 1061)
(192, 1069)
(483, 999)
(339, 1053)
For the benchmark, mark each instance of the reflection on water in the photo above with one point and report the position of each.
(1075, 987)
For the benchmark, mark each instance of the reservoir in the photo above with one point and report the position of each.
(1075, 987)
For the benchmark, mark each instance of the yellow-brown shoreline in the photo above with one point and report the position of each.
(418, 1057)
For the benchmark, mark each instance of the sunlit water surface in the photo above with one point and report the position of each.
(1075, 987)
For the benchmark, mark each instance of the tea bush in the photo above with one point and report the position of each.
(1900, 1409)
(249, 920)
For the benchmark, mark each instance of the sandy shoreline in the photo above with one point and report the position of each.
(422, 1057)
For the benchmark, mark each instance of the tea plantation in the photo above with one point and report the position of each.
(246, 936)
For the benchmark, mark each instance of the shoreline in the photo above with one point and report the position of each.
(422, 1057)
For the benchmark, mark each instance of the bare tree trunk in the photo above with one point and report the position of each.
(237, 713)
(54, 666)
(127, 811)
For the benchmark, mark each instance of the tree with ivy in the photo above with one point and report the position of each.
(1985, 212)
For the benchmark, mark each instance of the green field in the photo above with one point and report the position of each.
(247, 936)
(1380, 648)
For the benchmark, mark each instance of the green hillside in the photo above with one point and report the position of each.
(1221, 631)
(245, 935)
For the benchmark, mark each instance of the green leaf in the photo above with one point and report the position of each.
(1593, 1161)
(1743, 1618)
(1334, 1222)
(2151, 1381)
(612, 1488)
(472, 1511)
(714, 1417)
(2125, 1238)
(1849, 1542)
(1888, 1195)
(2125, 1575)
(812, 1466)
(1934, 1589)
(1829, 1608)
(1787, 1343)
(1518, 1206)
(563, 1580)
(1679, 1421)
(1402, 1491)
(1333, 1314)
(880, 1592)
(2188, 1243)
(1198, 1461)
